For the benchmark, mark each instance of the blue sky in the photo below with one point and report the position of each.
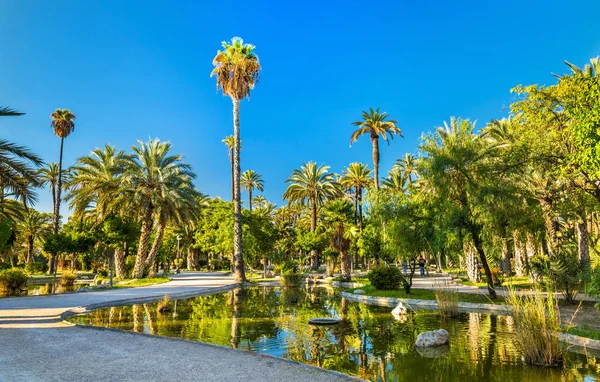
(138, 69)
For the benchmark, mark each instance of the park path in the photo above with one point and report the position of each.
(36, 345)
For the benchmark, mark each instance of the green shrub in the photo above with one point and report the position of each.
(292, 279)
(385, 278)
(36, 267)
(68, 279)
(12, 281)
(103, 272)
(289, 267)
(129, 265)
(4, 266)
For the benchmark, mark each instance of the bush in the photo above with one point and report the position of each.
(385, 278)
(103, 272)
(36, 267)
(4, 266)
(289, 267)
(292, 279)
(12, 281)
(129, 265)
(68, 279)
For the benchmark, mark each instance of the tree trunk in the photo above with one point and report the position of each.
(29, 249)
(486, 268)
(120, 256)
(240, 275)
(360, 213)
(235, 321)
(55, 218)
(138, 318)
(345, 265)
(314, 260)
(375, 143)
(190, 259)
(506, 257)
(144, 241)
(250, 198)
(530, 248)
(471, 262)
(583, 244)
(232, 175)
(160, 230)
(551, 225)
(520, 260)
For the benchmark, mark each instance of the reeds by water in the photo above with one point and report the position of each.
(447, 299)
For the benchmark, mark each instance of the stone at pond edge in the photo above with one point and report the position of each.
(433, 338)
(359, 291)
(399, 310)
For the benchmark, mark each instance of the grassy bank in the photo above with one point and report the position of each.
(426, 294)
(120, 284)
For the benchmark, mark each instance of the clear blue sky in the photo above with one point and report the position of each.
(138, 69)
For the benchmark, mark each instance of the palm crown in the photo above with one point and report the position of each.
(251, 180)
(236, 68)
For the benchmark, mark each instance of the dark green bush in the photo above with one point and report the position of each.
(289, 267)
(36, 267)
(12, 281)
(385, 278)
(129, 265)
(4, 265)
(292, 279)
(103, 272)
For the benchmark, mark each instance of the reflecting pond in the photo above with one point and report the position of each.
(369, 343)
(36, 289)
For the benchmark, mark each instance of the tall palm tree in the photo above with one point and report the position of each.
(251, 180)
(338, 214)
(63, 125)
(237, 71)
(376, 124)
(8, 112)
(34, 226)
(312, 185)
(152, 175)
(49, 176)
(358, 177)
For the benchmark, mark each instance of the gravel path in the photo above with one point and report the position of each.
(36, 345)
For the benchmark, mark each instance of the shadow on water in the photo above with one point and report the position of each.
(369, 342)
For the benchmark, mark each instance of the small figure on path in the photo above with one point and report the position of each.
(422, 266)
(404, 267)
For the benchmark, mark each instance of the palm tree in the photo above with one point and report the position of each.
(358, 177)
(63, 125)
(395, 182)
(338, 214)
(237, 71)
(17, 172)
(376, 124)
(230, 143)
(49, 176)
(312, 185)
(8, 112)
(407, 166)
(251, 180)
(33, 226)
(152, 175)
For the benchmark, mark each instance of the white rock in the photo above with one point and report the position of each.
(359, 291)
(433, 338)
(400, 309)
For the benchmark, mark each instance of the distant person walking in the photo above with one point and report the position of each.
(422, 266)
(404, 267)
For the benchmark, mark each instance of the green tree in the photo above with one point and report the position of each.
(312, 186)
(251, 180)
(357, 176)
(237, 71)
(338, 215)
(34, 226)
(376, 125)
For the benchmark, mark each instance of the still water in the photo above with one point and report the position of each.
(369, 343)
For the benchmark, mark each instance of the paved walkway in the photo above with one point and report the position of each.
(35, 345)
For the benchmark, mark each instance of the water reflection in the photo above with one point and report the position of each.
(368, 343)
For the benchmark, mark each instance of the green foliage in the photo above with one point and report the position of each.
(12, 281)
(68, 279)
(7, 235)
(289, 267)
(4, 265)
(564, 271)
(292, 279)
(59, 243)
(36, 267)
(385, 278)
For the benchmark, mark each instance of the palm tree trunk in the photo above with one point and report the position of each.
(375, 142)
(190, 258)
(520, 260)
(314, 260)
(53, 265)
(240, 275)
(232, 175)
(250, 198)
(144, 241)
(345, 265)
(160, 230)
(29, 249)
(120, 268)
(583, 243)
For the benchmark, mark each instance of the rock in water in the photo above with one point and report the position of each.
(400, 309)
(359, 291)
(433, 338)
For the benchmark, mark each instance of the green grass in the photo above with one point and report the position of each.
(427, 294)
(120, 284)
(583, 331)
(519, 283)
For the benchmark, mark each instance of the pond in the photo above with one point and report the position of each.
(369, 342)
(36, 289)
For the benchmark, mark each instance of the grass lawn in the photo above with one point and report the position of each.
(584, 331)
(426, 294)
(119, 284)
(519, 283)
